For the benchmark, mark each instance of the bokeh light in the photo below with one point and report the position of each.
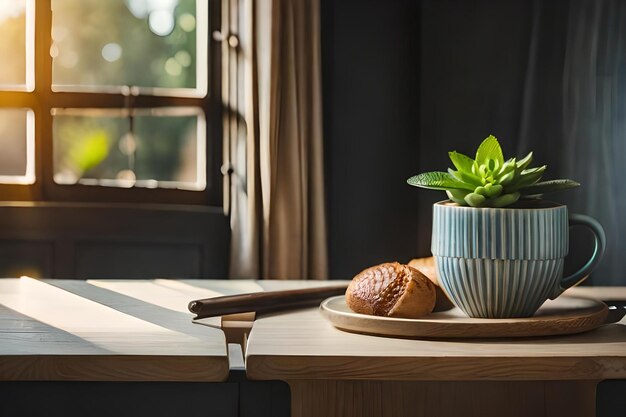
(183, 58)
(54, 50)
(172, 67)
(11, 9)
(161, 22)
(111, 52)
(139, 8)
(187, 22)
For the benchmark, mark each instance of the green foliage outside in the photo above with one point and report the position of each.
(92, 146)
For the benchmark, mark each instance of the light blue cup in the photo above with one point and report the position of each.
(506, 262)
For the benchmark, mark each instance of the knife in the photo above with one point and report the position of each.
(264, 302)
(272, 301)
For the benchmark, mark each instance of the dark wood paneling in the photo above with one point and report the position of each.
(137, 260)
(264, 399)
(610, 398)
(236, 397)
(114, 240)
(130, 399)
(17, 258)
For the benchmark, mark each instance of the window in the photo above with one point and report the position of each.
(109, 101)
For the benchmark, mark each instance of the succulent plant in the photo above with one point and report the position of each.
(489, 180)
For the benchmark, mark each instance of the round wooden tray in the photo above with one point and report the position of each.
(565, 315)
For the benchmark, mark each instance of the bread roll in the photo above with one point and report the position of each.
(393, 290)
(427, 267)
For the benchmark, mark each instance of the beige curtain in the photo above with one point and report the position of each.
(273, 138)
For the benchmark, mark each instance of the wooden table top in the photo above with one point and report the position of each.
(303, 345)
(140, 330)
(107, 331)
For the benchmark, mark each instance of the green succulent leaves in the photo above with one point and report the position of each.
(489, 180)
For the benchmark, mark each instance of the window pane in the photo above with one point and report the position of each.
(142, 43)
(16, 142)
(12, 43)
(155, 148)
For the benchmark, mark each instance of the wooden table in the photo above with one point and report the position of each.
(125, 348)
(117, 330)
(131, 334)
(334, 373)
(98, 331)
(122, 348)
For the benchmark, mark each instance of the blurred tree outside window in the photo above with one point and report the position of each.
(144, 43)
(121, 97)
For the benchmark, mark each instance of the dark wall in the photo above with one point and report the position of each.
(370, 53)
(474, 56)
(400, 91)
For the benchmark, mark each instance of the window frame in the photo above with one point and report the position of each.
(42, 99)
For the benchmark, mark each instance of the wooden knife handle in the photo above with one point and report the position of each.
(263, 302)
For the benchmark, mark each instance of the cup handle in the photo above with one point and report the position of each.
(598, 252)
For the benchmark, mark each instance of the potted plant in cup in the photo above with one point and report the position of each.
(499, 248)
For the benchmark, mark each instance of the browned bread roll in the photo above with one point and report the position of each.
(393, 290)
(427, 267)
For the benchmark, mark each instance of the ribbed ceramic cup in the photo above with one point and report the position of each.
(506, 262)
